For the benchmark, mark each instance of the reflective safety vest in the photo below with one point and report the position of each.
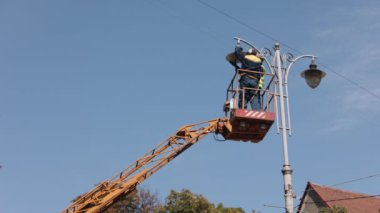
(261, 80)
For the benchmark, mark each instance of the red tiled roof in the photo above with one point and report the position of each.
(353, 202)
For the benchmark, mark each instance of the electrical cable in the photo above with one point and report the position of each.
(332, 200)
(284, 44)
(345, 182)
(348, 198)
(179, 18)
(351, 81)
(247, 25)
(354, 180)
(340, 199)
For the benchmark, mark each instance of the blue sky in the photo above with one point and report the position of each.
(87, 87)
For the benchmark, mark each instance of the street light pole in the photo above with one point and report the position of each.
(286, 170)
(313, 77)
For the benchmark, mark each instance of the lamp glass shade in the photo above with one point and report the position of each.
(313, 76)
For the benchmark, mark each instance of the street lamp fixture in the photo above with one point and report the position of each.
(313, 76)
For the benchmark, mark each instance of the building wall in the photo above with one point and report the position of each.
(311, 203)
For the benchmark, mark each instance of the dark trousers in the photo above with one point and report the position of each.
(248, 86)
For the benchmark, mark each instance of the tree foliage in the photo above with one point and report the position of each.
(185, 201)
(334, 209)
(188, 202)
(221, 209)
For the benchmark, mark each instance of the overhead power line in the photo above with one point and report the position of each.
(339, 199)
(247, 25)
(177, 16)
(357, 179)
(351, 81)
(284, 44)
(347, 181)
(348, 198)
(239, 21)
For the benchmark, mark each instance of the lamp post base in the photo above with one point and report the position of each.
(288, 189)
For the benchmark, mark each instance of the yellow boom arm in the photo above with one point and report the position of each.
(108, 191)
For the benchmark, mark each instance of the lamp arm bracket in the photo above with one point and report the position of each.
(247, 43)
(293, 60)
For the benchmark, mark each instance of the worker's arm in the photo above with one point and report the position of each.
(239, 53)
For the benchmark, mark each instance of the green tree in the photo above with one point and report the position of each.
(334, 209)
(221, 209)
(188, 202)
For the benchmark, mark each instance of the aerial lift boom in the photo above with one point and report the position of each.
(108, 191)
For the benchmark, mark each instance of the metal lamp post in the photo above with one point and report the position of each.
(280, 66)
(313, 77)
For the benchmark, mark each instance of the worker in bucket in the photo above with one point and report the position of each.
(250, 76)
